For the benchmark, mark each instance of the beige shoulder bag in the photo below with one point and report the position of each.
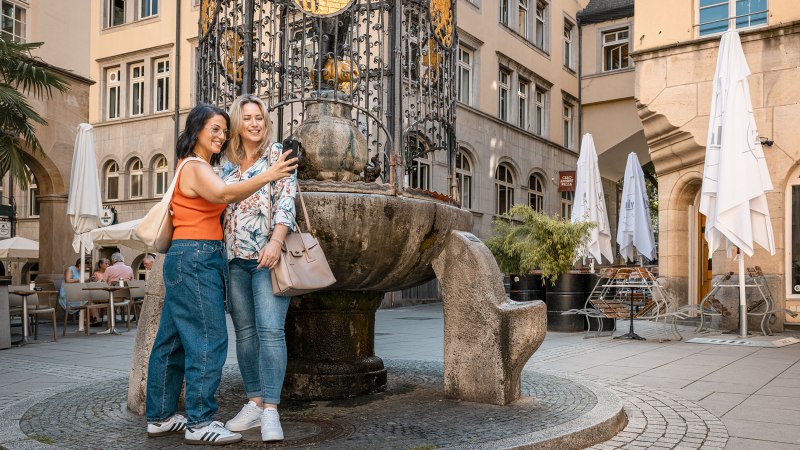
(156, 228)
(302, 267)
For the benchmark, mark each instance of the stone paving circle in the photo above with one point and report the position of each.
(411, 413)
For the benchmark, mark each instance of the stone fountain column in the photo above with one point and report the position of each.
(330, 337)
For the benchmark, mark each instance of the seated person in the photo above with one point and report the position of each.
(118, 270)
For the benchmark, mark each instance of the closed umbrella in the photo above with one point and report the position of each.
(84, 204)
(590, 203)
(735, 175)
(634, 230)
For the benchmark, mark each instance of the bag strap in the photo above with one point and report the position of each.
(168, 195)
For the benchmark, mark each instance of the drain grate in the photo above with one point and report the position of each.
(417, 318)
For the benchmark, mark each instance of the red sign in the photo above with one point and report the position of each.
(566, 181)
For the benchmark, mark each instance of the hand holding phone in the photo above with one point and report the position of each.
(292, 147)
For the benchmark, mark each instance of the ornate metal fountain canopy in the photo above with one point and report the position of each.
(393, 61)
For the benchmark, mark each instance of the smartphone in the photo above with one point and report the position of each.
(292, 146)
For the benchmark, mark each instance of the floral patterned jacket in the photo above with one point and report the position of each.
(248, 224)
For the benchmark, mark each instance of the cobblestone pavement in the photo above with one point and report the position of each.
(704, 396)
(657, 419)
(412, 413)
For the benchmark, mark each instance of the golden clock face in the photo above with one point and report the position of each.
(441, 12)
(208, 10)
(323, 8)
(232, 44)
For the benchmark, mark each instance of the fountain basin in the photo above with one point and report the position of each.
(379, 241)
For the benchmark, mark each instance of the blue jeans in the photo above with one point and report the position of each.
(258, 318)
(192, 339)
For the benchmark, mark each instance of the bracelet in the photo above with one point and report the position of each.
(278, 241)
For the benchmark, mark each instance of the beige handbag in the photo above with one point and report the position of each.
(156, 228)
(302, 267)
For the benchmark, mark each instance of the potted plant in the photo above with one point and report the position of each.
(526, 240)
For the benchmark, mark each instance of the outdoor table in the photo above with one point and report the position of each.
(629, 292)
(111, 313)
(25, 294)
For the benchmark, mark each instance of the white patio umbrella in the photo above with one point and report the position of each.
(122, 234)
(590, 203)
(634, 230)
(735, 175)
(84, 204)
(18, 248)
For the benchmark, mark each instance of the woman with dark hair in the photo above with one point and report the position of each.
(192, 339)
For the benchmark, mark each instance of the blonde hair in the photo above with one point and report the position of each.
(236, 153)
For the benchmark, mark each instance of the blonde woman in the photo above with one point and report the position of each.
(255, 229)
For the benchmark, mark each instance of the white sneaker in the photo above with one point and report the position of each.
(175, 424)
(271, 425)
(249, 417)
(211, 434)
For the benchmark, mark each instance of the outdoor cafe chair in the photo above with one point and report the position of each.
(76, 300)
(137, 288)
(36, 307)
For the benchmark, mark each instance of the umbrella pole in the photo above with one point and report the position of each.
(83, 271)
(742, 302)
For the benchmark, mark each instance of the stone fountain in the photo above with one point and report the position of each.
(368, 88)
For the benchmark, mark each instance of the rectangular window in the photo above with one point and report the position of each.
(522, 98)
(795, 287)
(115, 12)
(615, 49)
(112, 93)
(503, 89)
(137, 89)
(566, 205)
(33, 201)
(12, 22)
(504, 11)
(541, 111)
(161, 183)
(568, 31)
(420, 176)
(522, 18)
(568, 124)
(136, 185)
(161, 101)
(717, 16)
(541, 25)
(148, 8)
(464, 75)
(504, 198)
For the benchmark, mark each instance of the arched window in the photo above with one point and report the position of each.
(536, 193)
(419, 167)
(161, 171)
(464, 179)
(136, 177)
(566, 204)
(112, 181)
(503, 189)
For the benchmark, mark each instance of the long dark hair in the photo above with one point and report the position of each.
(195, 122)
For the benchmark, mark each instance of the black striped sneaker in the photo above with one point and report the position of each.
(175, 424)
(212, 434)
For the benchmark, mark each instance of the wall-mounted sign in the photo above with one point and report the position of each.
(566, 181)
(5, 228)
(108, 217)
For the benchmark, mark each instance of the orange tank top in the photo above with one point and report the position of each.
(195, 218)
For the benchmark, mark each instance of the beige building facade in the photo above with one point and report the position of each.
(45, 199)
(675, 51)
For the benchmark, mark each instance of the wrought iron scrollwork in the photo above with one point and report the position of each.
(392, 61)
